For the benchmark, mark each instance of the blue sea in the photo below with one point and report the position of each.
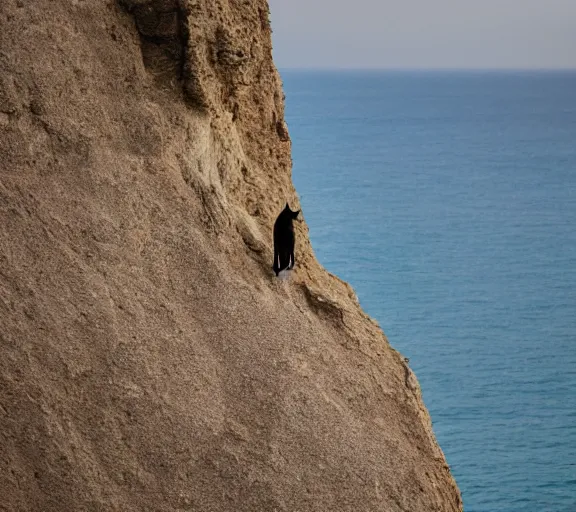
(448, 201)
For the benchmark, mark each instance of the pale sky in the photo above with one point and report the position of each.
(424, 33)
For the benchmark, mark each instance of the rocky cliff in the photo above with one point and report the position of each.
(148, 358)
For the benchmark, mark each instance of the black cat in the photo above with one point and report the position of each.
(284, 240)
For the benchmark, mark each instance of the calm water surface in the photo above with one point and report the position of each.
(448, 200)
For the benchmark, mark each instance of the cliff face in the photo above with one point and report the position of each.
(149, 361)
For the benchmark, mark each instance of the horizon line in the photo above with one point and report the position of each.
(415, 68)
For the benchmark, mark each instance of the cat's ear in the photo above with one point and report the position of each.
(295, 214)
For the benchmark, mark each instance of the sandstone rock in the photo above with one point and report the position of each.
(148, 359)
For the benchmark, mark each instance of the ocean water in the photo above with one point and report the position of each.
(448, 200)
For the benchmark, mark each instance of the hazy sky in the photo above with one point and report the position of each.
(424, 33)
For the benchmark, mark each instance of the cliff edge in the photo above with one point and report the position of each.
(148, 358)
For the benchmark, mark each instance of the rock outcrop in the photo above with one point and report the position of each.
(148, 358)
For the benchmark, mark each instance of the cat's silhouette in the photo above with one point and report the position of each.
(284, 240)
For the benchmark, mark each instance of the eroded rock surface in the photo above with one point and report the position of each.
(148, 359)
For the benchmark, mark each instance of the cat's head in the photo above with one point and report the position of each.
(292, 214)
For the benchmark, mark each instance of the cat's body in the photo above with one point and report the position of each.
(284, 241)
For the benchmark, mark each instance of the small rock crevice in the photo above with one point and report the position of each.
(164, 35)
